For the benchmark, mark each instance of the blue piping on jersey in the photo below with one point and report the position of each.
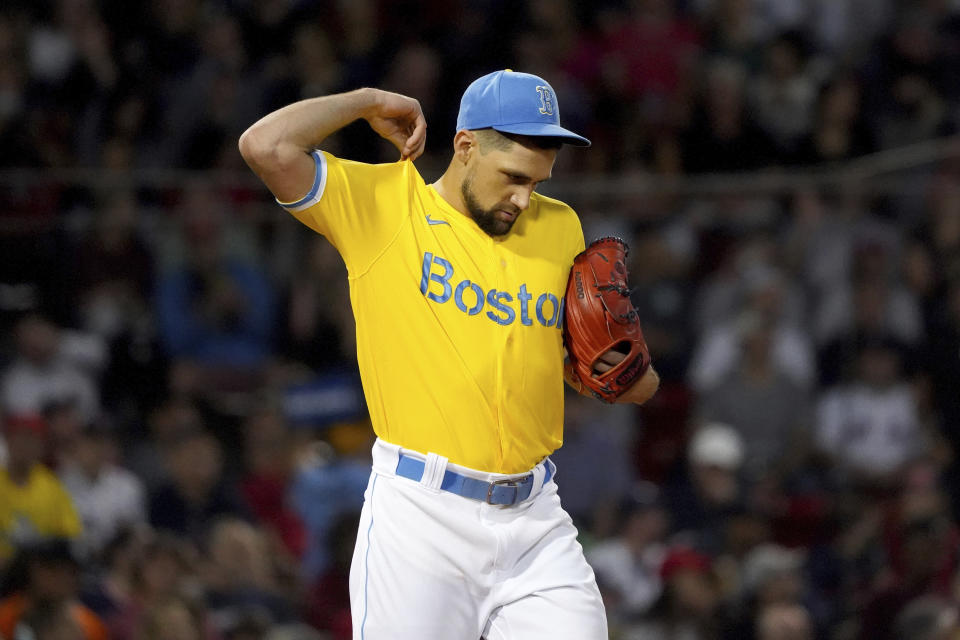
(319, 180)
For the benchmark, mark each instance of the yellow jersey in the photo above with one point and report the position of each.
(41, 508)
(459, 337)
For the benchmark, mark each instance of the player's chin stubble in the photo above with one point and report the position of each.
(486, 219)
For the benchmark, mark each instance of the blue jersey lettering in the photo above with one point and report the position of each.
(524, 298)
(428, 275)
(552, 299)
(458, 297)
(500, 310)
(493, 299)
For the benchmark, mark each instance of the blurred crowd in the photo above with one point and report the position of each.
(184, 446)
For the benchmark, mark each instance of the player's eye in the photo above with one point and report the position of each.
(516, 178)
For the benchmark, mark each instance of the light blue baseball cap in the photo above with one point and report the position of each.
(514, 102)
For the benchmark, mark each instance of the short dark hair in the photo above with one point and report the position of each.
(491, 139)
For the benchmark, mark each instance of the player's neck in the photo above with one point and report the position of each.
(448, 187)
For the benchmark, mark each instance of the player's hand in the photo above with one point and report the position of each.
(606, 362)
(400, 120)
(641, 391)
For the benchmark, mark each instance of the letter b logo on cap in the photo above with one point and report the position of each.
(546, 100)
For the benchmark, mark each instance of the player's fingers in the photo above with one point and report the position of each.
(612, 357)
(399, 139)
(600, 367)
(416, 151)
(607, 361)
(419, 135)
(418, 138)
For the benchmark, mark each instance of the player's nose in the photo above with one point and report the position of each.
(520, 199)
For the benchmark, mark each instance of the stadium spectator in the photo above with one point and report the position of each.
(650, 54)
(328, 601)
(589, 437)
(240, 575)
(928, 618)
(196, 493)
(270, 465)
(110, 590)
(772, 575)
(176, 417)
(46, 576)
(115, 279)
(869, 427)
(52, 366)
(771, 586)
(215, 311)
(721, 137)
(34, 505)
(921, 544)
(912, 79)
(107, 497)
(710, 491)
(770, 410)
(174, 618)
(627, 565)
(839, 131)
(784, 622)
(873, 300)
(690, 603)
(316, 327)
(661, 257)
(756, 293)
(783, 93)
(163, 568)
(328, 485)
(51, 622)
(733, 30)
(64, 424)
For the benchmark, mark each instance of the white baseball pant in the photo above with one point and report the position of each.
(429, 563)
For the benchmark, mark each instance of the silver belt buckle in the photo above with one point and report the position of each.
(513, 483)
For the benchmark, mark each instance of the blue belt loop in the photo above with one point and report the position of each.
(499, 492)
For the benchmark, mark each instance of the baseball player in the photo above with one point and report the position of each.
(458, 289)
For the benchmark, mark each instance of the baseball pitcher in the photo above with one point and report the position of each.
(474, 298)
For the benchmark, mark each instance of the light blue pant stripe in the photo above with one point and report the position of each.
(366, 560)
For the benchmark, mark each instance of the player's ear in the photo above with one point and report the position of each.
(464, 144)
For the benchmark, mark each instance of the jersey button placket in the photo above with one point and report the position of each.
(502, 342)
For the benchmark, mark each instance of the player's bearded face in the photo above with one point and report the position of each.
(488, 219)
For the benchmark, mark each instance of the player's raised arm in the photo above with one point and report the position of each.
(277, 146)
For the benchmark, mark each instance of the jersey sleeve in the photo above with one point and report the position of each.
(577, 235)
(564, 232)
(572, 239)
(358, 207)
